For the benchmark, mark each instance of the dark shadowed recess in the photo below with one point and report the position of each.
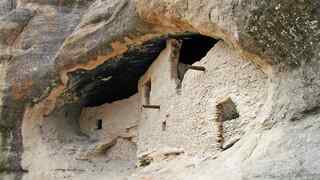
(195, 47)
(118, 78)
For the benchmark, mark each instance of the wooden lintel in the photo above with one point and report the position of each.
(197, 68)
(151, 106)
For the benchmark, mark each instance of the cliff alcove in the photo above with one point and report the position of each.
(102, 123)
(158, 89)
(110, 122)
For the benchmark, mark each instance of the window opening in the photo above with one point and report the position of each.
(147, 92)
(99, 124)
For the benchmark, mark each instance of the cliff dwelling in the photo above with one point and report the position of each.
(139, 108)
(159, 90)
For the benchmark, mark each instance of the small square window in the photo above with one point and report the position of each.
(227, 109)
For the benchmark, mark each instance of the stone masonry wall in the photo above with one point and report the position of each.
(119, 121)
(189, 113)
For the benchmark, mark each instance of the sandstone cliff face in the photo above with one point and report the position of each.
(56, 58)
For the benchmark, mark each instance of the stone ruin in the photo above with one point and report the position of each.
(159, 89)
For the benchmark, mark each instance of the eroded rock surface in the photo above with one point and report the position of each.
(58, 57)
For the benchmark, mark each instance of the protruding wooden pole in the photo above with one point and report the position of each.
(197, 68)
(151, 106)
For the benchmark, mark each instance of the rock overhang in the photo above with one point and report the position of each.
(117, 78)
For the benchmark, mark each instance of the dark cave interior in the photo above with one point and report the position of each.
(118, 77)
(195, 47)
